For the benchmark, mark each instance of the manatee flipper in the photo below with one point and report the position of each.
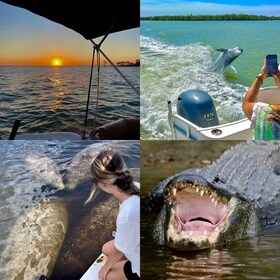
(34, 242)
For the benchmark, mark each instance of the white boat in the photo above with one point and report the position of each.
(92, 272)
(199, 121)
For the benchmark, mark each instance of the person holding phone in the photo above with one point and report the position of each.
(265, 118)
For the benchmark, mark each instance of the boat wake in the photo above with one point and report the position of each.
(167, 70)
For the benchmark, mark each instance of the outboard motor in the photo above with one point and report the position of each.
(197, 107)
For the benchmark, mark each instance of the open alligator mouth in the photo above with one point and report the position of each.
(199, 212)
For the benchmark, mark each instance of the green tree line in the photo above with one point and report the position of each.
(211, 17)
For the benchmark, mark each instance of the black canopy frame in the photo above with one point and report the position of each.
(91, 19)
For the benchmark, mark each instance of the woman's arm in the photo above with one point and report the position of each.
(277, 78)
(251, 96)
(113, 258)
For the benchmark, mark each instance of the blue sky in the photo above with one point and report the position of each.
(202, 7)
(28, 39)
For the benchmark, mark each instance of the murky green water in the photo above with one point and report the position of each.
(251, 258)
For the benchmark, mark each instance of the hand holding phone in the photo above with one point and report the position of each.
(272, 66)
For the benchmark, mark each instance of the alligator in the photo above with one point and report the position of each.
(235, 197)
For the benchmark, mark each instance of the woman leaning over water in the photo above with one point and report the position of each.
(111, 175)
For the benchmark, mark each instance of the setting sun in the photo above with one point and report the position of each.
(56, 62)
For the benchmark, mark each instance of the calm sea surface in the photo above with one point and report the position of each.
(175, 56)
(31, 173)
(252, 258)
(48, 99)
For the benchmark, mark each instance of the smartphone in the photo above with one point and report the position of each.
(271, 64)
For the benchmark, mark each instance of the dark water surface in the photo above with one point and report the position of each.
(34, 173)
(49, 99)
(251, 258)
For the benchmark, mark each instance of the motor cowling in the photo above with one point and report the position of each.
(197, 107)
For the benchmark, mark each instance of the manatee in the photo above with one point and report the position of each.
(135, 172)
(78, 170)
(43, 233)
(226, 57)
(34, 242)
(83, 244)
(236, 197)
(44, 168)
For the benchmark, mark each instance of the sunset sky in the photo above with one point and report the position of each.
(29, 39)
(209, 7)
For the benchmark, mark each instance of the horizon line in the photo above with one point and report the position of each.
(212, 15)
(83, 65)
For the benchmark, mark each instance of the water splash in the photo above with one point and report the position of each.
(167, 70)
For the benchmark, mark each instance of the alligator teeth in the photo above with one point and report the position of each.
(205, 232)
(201, 193)
(212, 200)
(197, 189)
(174, 191)
(215, 203)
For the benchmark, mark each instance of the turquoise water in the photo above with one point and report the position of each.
(176, 56)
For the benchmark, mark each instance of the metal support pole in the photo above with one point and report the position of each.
(14, 130)
(121, 74)
(89, 89)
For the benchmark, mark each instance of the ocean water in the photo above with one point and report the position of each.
(176, 56)
(36, 172)
(49, 99)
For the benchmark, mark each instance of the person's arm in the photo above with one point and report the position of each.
(251, 96)
(277, 78)
(111, 261)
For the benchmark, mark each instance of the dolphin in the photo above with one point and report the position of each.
(226, 57)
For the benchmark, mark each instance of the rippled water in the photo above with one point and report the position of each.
(176, 56)
(31, 172)
(48, 99)
(255, 258)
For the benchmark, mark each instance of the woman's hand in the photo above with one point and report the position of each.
(277, 77)
(102, 274)
(263, 73)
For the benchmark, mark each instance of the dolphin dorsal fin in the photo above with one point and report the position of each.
(221, 50)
